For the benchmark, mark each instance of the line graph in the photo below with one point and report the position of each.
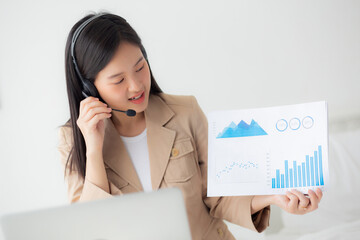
(236, 165)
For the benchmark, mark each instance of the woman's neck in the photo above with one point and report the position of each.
(129, 126)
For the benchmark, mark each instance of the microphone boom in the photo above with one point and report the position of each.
(129, 112)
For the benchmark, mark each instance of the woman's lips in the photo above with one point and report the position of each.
(139, 100)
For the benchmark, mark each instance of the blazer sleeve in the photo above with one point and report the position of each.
(235, 209)
(78, 189)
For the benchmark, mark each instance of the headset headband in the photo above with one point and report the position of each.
(74, 38)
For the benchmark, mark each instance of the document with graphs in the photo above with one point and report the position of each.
(270, 150)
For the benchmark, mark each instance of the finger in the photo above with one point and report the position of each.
(319, 193)
(85, 107)
(313, 200)
(304, 201)
(90, 105)
(98, 117)
(292, 205)
(94, 111)
(86, 100)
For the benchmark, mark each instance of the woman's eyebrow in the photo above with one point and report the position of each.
(117, 74)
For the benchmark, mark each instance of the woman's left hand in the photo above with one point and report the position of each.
(296, 202)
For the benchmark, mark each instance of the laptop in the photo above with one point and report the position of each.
(156, 215)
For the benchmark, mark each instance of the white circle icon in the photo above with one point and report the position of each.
(294, 124)
(281, 125)
(308, 122)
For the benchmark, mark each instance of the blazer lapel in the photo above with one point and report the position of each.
(116, 156)
(159, 139)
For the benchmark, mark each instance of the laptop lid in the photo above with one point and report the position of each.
(153, 215)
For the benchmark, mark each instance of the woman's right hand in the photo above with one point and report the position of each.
(91, 122)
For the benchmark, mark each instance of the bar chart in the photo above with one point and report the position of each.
(307, 173)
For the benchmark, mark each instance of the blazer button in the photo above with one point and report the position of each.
(174, 152)
(220, 232)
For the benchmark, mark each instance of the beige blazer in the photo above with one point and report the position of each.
(177, 135)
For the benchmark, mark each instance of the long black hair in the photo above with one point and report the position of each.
(95, 47)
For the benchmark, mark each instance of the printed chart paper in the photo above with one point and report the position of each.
(268, 150)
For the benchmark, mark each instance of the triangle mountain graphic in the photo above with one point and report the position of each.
(242, 130)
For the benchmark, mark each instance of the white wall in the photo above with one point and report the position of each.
(237, 54)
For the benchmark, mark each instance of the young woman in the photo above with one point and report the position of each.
(107, 152)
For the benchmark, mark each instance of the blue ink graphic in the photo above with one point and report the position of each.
(281, 125)
(242, 130)
(306, 173)
(295, 124)
(233, 165)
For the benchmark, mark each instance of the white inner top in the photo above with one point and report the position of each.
(138, 152)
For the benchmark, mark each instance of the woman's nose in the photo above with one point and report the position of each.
(134, 85)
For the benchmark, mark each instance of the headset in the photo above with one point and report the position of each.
(89, 88)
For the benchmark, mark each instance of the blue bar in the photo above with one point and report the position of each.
(299, 175)
(286, 173)
(291, 178)
(303, 174)
(312, 170)
(307, 171)
(295, 177)
(273, 182)
(282, 180)
(316, 168)
(277, 178)
(321, 167)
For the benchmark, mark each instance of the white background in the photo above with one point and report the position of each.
(230, 55)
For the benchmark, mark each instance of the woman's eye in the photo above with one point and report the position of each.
(136, 71)
(120, 81)
(140, 68)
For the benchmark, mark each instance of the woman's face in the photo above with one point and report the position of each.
(124, 83)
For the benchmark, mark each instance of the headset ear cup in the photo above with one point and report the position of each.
(90, 89)
(86, 88)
